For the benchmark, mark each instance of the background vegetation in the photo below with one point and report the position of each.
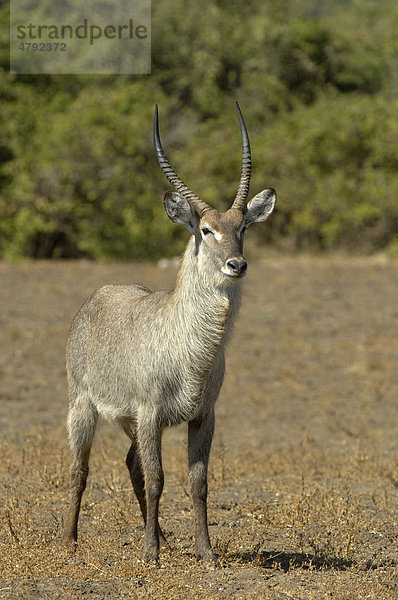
(318, 84)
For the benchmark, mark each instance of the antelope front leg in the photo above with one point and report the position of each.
(200, 435)
(134, 466)
(149, 440)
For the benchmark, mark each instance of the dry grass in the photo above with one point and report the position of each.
(327, 529)
(303, 476)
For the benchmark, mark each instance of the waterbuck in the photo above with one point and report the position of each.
(146, 360)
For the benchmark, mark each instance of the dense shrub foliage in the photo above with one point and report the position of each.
(318, 87)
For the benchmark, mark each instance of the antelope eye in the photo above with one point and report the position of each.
(206, 230)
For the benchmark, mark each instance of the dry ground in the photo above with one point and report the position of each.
(303, 476)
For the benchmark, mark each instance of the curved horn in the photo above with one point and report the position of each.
(199, 206)
(243, 189)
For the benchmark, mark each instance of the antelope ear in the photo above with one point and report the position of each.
(180, 211)
(260, 207)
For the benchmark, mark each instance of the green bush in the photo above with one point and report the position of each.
(336, 164)
(318, 88)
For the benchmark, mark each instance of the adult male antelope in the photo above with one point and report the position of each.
(150, 359)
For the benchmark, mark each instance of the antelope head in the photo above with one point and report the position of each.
(219, 236)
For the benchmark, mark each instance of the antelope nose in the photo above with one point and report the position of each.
(237, 265)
